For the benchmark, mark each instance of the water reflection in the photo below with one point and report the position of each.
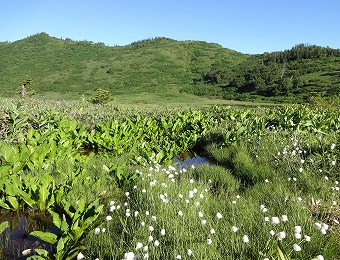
(186, 159)
(16, 238)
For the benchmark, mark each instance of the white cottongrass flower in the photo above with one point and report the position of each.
(178, 257)
(142, 223)
(145, 257)
(317, 225)
(281, 235)
(108, 218)
(245, 239)
(147, 213)
(219, 215)
(180, 196)
(151, 228)
(297, 229)
(212, 231)
(234, 229)
(307, 238)
(333, 162)
(103, 230)
(296, 248)
(297, 235)
(324, 226)
(136, 213)
(139, 245)
(275, 220)
(209, 241)
(97, 231)
(233, 202)
(189, 252)
(163, 232)
(284, 218)
(180, 213)
(80, 256)
(150, 239)
(271, 232)
(146, 248)
(204, 222)
(266, 219)
(129, 256)
(320, 257)
(112, 208)
(200, 214)
(156, 243)
(153, 218)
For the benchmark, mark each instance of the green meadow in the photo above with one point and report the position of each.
(86, 181)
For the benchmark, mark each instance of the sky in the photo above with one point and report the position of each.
(247, 26)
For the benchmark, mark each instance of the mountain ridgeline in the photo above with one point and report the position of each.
(75, 68)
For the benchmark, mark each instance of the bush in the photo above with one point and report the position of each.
(102, 97)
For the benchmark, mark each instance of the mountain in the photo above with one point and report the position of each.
(75, 68)
(66, 66)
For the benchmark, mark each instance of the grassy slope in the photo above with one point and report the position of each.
(152, 71)
(159, 65)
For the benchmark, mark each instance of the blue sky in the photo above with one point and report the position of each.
(248, 26)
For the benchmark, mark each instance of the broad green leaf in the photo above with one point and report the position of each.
(80, 210)
(13, 201)
(27, 198)
(3, 226)
(56, 218)
(41, 252)
(45, 236)
(61, 243)
(4, 205)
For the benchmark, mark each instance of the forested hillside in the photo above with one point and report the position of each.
(158, 65)
(292, 75)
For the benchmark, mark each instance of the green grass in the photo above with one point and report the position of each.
(249, 181)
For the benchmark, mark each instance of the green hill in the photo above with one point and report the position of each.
(162, 65)
(67, 66)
